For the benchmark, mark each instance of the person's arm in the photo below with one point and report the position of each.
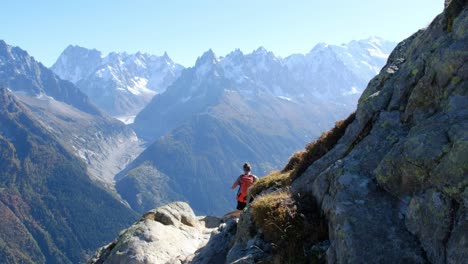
(235, 184)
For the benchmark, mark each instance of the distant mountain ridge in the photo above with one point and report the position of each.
(350, 66)
(21, 73)
(120, 84)
(328, 73)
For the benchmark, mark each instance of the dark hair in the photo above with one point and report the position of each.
(247, 166)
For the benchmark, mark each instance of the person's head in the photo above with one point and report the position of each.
(247, 167)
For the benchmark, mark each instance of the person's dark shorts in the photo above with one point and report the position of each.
(241, 205)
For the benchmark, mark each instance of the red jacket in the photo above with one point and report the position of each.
(244, 181)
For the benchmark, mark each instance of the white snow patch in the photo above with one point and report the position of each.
(82, 155)
(126, 119)
(139, 87)
(285, 98)
(45, 97)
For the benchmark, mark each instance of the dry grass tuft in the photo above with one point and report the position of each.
(294, 161)
(292, 224)
(272, 213)
(300, 161)
(275, 179)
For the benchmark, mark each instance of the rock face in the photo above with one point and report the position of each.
(169, 234)
(394, 189)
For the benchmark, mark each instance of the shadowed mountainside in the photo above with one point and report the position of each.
(50, 210)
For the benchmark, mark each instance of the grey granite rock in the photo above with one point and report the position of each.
(394, 187)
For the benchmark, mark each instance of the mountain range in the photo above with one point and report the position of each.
(120, 84)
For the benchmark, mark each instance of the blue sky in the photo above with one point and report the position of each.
(185, 29)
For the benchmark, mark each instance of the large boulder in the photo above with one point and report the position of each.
(169, 234)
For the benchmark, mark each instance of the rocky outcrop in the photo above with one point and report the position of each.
(170, 234)
(394, 188)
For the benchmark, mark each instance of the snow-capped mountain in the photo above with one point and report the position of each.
(334, 75)
(22, 74)
(76, 63)
(121, 84)
(340, 71)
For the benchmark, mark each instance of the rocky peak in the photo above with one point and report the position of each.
(206, 64)
(75, 50)
(260, 51)
(4, 48)
(166, 57)
(8, 51)
(207, 58)
(76, 63)
(21, 73)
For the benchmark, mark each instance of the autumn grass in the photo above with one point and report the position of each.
(272, 212)
(275, 179)
(300, 161)
(291, 224)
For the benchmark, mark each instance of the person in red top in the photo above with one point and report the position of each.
(244, 182)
